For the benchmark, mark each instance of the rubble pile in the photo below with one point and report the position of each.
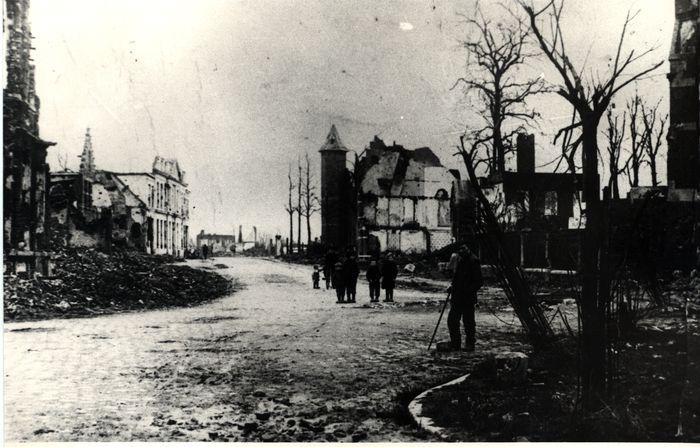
(88, 282)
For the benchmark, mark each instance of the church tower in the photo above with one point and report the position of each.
(87, 159)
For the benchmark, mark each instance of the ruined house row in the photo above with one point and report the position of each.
(148, 211)
(43, 210)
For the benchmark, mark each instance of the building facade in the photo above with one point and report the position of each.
(683, 161)
(25, 171)
(164, 190)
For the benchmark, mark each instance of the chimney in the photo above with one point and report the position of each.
(526, 153)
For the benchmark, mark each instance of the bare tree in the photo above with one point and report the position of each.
(298, 207)
(310, 203)
(290, 209)
(62, 159)
(654, 137)
(495, 54)
(615, 134)
(637, 139)
(590, 98)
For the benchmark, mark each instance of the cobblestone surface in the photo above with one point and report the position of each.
(276, 361)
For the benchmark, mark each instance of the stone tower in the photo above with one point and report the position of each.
(337, 205)
(683, 140)
(87, 158)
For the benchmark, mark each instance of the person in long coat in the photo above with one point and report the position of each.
(389, 272)
(374, 276)
(328, 266)
(339, 281)
(350, 273)
(466, 282)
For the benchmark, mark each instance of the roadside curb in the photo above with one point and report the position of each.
(415, 408)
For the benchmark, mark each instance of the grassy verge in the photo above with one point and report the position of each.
(87, 282)
(654, 393)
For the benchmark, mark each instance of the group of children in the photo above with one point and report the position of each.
(342, 273)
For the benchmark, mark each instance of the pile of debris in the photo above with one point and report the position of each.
(88, 282)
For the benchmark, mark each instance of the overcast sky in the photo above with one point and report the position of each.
(237, 90)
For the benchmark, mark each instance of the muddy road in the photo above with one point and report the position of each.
(275, 361)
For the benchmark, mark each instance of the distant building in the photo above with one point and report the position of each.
(25, 171)
(683, 161)
(217, 243)
(228, 243)
(404, 199)
(165, 192)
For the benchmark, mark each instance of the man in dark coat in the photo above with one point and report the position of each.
(350, 273)
(389, 272)
(205, 251)
(374, 275)
(328, 266)
(338, 280)
(466, 282)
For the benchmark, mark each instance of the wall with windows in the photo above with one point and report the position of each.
(168, 210)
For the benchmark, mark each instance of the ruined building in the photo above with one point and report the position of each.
(148, 211)
(394, 198)
(530, 199)
(338, 214)
(94, 208)
(25, 171)
(404, 199)
(683, 139)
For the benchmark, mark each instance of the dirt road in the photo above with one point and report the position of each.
(276, 361)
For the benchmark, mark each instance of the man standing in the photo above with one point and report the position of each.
(466, 282)
(350, 273)
(373, 277)
(205, 251)
(389, 272)
(338, 283)
(328, 266)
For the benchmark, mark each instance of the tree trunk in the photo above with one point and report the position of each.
(499, 150)
(593, 338)
(654, 175)
(308, 232)
(614, 185)
(299, 212)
